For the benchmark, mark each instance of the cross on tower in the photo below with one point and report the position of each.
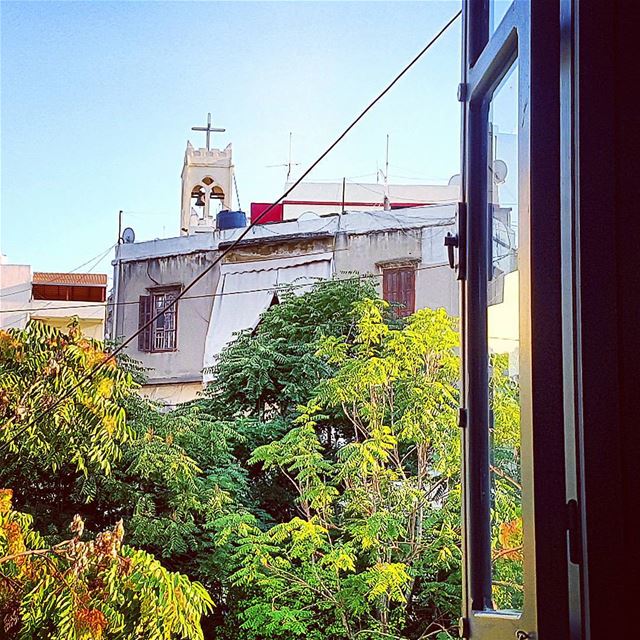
(209, 129)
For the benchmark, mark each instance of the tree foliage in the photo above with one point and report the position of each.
(268, 372)
(49, 413)
(263, 375)
(374, 547)
(314, 491)
(85, 590)
(62, 454)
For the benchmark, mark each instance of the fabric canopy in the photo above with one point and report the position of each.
(245, 291)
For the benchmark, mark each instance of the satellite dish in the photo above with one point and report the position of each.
(128, 236)
(499, 171)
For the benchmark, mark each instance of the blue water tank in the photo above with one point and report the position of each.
(231, 219)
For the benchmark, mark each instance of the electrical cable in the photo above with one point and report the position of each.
(200, 276)
(363, 276)
(98, 257)
(426, 204)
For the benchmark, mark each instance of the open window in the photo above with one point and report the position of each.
(511, 414)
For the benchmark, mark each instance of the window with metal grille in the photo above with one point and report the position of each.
(399, 289)
(162, 334)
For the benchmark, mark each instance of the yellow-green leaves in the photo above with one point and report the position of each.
(90, 590)
(388, 579)
(61, 399)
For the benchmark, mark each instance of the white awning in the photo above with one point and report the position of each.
(245, 291)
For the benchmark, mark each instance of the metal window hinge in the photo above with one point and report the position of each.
(462, 418)
(462, 92)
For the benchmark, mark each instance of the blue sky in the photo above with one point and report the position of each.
(98, 100)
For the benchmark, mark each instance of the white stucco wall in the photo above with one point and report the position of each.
(15, 294)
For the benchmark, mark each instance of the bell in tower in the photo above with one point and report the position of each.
(207, 178)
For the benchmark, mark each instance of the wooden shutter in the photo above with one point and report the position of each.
(408, 290)
(399, 287)
(145, 310)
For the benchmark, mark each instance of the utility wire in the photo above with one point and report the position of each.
(199, 277)
(444, 222)
(98, 257)
(222, 294)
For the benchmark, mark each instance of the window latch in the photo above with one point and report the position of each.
(451, 241)
(457, 241)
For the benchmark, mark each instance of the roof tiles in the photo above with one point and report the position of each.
(84, 279)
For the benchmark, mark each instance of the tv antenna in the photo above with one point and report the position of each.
(385, 175)
(286, 164)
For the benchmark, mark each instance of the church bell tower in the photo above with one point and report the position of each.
(207, 180)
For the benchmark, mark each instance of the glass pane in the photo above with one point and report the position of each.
(504, 340)
(497, 9)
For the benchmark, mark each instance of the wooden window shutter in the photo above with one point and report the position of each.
(399, 287)
(409, 290)
(145, 311)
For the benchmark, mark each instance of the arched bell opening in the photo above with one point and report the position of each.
(217, 193)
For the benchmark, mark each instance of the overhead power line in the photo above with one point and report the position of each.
(98, 259)
(242, 235)
(444, 222)
(222, 294)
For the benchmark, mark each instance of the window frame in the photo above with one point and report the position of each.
(398, 267)
(530, 33)
(150, 334)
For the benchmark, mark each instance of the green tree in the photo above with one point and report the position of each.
(59, 454)
(50, 415)
(373, 551)
(87, 590)
(263, 375)
(268, 372)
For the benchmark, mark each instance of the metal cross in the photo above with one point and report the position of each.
(209, 129)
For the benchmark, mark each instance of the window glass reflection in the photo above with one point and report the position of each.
(503, 326)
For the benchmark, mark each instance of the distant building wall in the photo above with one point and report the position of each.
(325, 198)
(17, 302)
(184, 365)
(15, 289)
(436, 284)
(359, 243)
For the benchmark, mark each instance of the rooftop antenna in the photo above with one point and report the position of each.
(287, 164)
(387, 204)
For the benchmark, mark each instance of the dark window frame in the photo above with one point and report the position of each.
(530, 32)
(157, 333)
